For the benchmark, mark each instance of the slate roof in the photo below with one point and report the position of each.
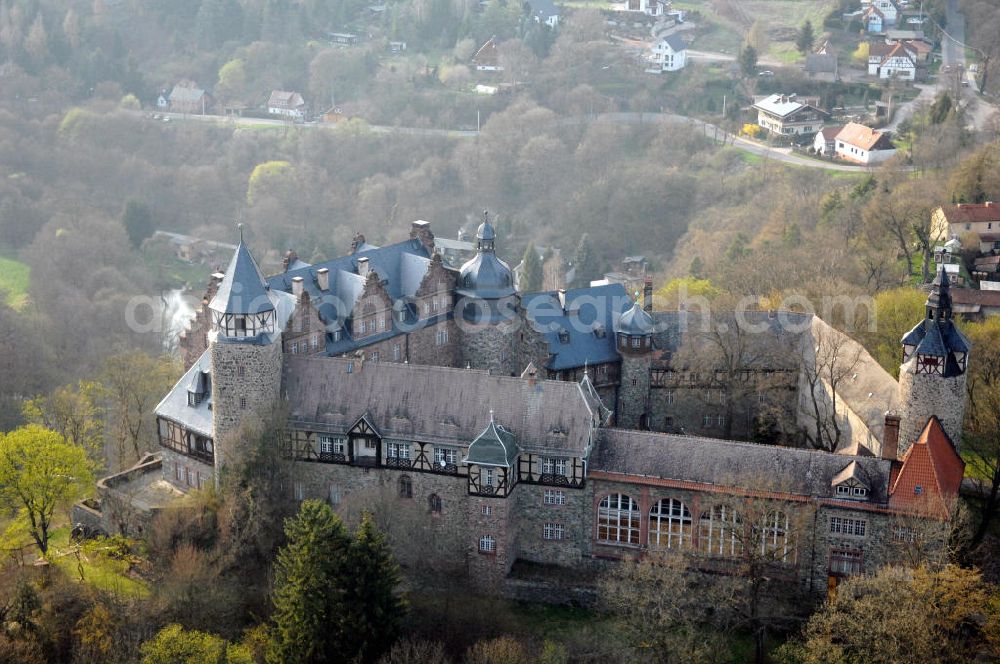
(401, 267)
(175, 406)
(543, 9)
(586, 311)
(436, 404)
(495, 446)
(724, 463)
(183, 94)
(939, 336)
(675, 42)
(243, 289)
(635, 322)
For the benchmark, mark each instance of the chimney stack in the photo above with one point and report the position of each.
(363, 266)
(359, 240)
(323, 278)
(297, 286)
(421, 230)
(289, 259)
(647, 294)
(890, 437)
(562, 299)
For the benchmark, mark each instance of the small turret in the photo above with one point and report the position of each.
(486, 281)
(933, 373)
(242, 308)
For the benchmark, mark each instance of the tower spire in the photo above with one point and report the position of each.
(939, 299)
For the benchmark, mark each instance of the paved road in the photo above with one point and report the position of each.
(782, 155)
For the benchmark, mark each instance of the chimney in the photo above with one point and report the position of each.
(363, 266)
(647, 294)
(297, 286)
(421, 230)
(289, 259)
(562, 299)
(890, 438)
(323, 278)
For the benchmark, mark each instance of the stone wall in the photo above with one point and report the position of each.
(633, 392)
(185, 472)
(533, 514)
(246, 382)
(923, 395)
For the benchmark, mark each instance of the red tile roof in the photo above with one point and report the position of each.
(971, 212)
(864, 137)
(931, 474)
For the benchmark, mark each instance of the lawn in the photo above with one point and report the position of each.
(98, 569)
(13, 282)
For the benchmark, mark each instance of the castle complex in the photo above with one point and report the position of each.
(565, 427)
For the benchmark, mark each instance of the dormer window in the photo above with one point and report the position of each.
(563, 336)
(195, 398)
(852, 492)
(960, 360)
(600, 332)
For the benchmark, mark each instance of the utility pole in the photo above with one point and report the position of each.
(723, 107)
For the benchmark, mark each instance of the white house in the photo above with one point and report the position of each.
(648, 7)
(287, 104)
(897, 62)
(668, 54)
(544, 12)
(785, 114)
(890, 12)
(825, 141)
(873, 19)
(863, 145)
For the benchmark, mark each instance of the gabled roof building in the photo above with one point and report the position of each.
(530, 436)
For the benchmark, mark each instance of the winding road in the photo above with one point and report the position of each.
(781, 155)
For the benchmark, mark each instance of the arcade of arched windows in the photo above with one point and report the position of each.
(715, 530)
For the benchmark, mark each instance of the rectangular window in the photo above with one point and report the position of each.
(369, 443)
(553, 466)
(555, 497)
(326, 444)
(488, 476)
(243, 403)
(846, 562)
(396, 353)
(334, 494)
(295, 347)
(720, 421)
(178, 472)
(670, 397)
(398, 451)
(300, 491)
(554, 531)
(441, 337)
(635, 342)
(845, 526)
(381, 322)
(706, 420)
(487, 544)
(487, 510)
(444, 456)
(314, 342)
(904, 534)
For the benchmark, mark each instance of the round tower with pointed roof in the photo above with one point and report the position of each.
(245, 348)
(634, 330)
(932, 376)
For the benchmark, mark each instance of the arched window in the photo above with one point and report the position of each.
(717, 532)
(434, 502)
(405, 487)
(670, 524)
(774, 539)
(618, 520)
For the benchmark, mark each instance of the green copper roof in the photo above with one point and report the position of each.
(495, 446)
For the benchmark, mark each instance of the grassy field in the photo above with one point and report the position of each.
(14, 277)
(97, 569)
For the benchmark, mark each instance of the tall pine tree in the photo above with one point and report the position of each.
(531, 271)
(310, 595)
(585, 262)
(376, 607)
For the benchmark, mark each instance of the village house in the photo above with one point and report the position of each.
(861, 144)
(647, 7)
(888, 9)
(668, 54)
(873, 19)
(544, 12)
(189, 99)
(487, 58)
(824, 143)
(981, 219)
(976, 303)
(788, 115)
(286, 104)
(891, 61)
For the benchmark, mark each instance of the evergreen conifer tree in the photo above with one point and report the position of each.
(531, 271)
